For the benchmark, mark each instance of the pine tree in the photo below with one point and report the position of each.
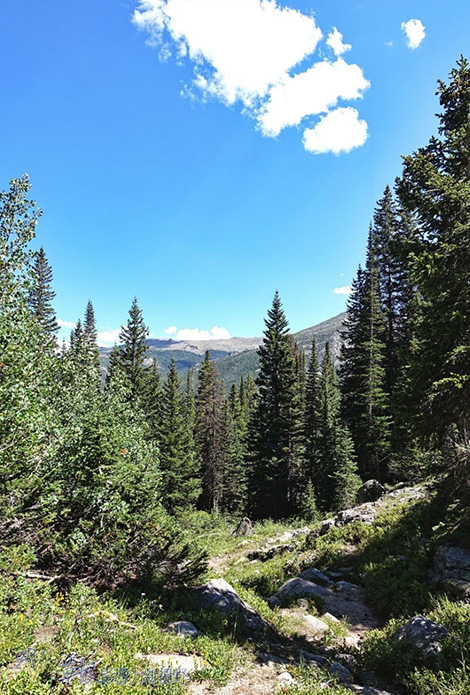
(151, 399)
(90, 334)
(209, 433)
(311, 415)
(336, 481)
(133, 338)
(41, 295)
(233, 478)
(435, 189)
(179, 483)
(365, 402)
(276, 424)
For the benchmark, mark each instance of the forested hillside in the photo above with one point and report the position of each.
(115, 483)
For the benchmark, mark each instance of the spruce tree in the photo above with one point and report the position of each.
(435, 189)
(179, 483)
(311, 417)
(209, 433)
(90, 335)
(365, 400)
(233, 478)
(336, 480)
(151, 399)
(41, 295)
(277, 446)
(134, 347)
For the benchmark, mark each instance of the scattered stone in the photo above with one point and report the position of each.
(347, 660)
(270, 552)
(244, 528)
(188, 664)
(312, 659)
(365, 513)
(317, 625)
(285, 679)
(452, 571)
(347, 589)
(268, 659)
(341, 672)
(370, 491)
(286, 536)
(183, 628)
(273, 602)
(219, 595)
(426, 635)
(301, 588)
(331, 617)
(311, 574)
(303, 604)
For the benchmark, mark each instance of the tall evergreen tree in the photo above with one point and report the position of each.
(151, 399)
(179, 482)
(435, 189)
(336, 479)
(133, 337)
(90, 335)
(311, 420)
(41, 295)
(365, 401)
(209, 433)
(276, 424)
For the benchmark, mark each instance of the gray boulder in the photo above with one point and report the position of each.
(183, 628)
(311, 574)
(370, 491)
(326, 524)
(367, 690)
(452, 570)
(301, 588)
(217, 594)
(426, 635)
(244, 528)
(364, 512)
(341, 672)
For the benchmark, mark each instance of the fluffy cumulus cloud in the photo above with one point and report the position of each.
(339, 131)
(414, 31)
(343, 290)
(335, 41)
(216, 333)
(257, 53)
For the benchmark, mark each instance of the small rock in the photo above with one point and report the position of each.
(271, 659)
(347, 660)
(311, 574)
(367, 690)
(316, 624)
(185, 663)
(301, 588)
(244, 528)
(312, 659)
(370, 491)
(452, 571)
(331, 617)
(341, 672)
(425, 634)
(285, 679)
(183, 628)
(273, 602)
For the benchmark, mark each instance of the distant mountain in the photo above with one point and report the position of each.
(236, 357)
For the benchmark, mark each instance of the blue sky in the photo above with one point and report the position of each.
(169, 144)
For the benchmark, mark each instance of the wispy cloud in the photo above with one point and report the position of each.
(66, 324)
(249, 51)
(215, 333)
(414, 31)
(342, 290)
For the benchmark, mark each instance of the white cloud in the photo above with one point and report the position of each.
(342, 290)
(339, 131)
(335, 41)
(171, 330)
(108, 337)
(415, 32)
(311, 92)
(216, 333)
(66, 324)
(249, 51)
